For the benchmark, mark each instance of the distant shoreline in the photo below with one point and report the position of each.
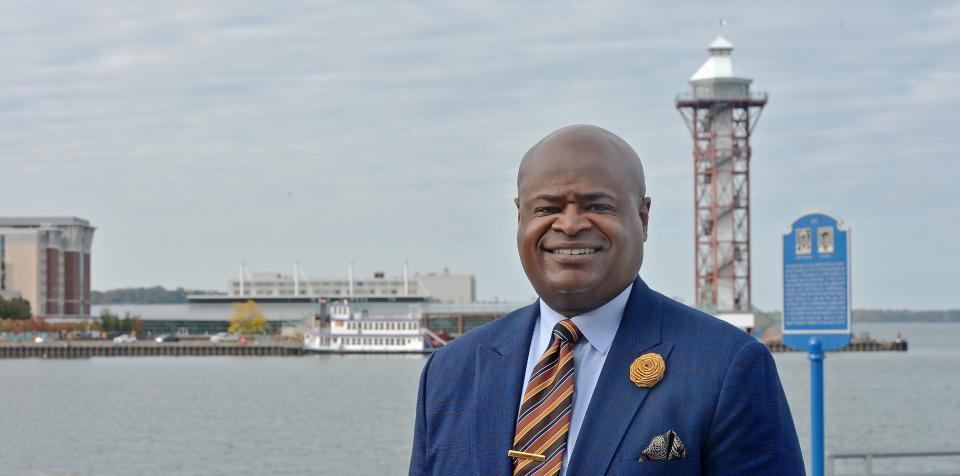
(768, 322)
(144, 295)
(861, 316)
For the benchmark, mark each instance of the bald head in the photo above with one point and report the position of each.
(582, 214)
(592, 146)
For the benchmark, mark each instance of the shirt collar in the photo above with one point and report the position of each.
(599, 326)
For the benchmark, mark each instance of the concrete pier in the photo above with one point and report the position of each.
(87, 349)
(855, 346)
(82, 349)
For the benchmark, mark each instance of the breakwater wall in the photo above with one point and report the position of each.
(87, 349)
(80, 350)
(856, 346)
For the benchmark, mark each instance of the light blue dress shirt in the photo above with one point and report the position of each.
(598, 328)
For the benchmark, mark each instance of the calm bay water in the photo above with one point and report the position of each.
(354, 414)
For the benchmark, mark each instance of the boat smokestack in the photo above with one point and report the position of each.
(406, 278)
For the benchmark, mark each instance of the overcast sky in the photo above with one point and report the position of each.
(195, 135)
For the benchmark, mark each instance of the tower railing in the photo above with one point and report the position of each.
(753, 96)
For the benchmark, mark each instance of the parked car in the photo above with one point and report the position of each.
(124, 339)
(224, 337)
(167, 338)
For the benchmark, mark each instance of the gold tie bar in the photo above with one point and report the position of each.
(521, 454)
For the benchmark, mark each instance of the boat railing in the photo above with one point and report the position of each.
(868, 458)
(435, 336)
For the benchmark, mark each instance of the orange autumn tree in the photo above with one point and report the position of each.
(247, 318)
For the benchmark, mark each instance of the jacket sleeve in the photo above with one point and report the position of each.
(418, 457)
(752, 431)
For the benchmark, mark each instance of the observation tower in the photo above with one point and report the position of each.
(721, 112)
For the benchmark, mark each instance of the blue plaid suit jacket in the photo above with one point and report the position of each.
(720, 393)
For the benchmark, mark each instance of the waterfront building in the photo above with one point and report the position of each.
(199, 317)
(47, 261)
(438, 287)
(442, 302)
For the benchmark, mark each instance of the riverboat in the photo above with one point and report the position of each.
(342, 330)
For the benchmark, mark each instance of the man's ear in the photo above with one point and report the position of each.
(644, 212)
(516, 201)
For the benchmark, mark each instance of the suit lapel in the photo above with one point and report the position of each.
(501, 365)
(616, 399)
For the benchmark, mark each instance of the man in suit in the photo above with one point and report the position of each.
(601, 375)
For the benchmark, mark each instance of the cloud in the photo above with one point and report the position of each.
(378, 132)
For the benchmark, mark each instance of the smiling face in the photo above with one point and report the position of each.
(582, 218)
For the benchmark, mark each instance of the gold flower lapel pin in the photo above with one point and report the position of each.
(647, 370)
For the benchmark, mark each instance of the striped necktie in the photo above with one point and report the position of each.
(540, 441)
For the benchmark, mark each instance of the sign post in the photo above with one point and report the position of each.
(816, 304)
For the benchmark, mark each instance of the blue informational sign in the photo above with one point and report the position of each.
(816, 283)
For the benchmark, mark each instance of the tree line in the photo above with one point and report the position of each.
(904, 315)
(144, 295)
(765, 319)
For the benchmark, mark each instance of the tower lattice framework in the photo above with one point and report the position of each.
(720, 113)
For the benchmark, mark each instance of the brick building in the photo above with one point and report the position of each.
(47, 261)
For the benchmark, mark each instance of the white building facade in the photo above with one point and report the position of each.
(452, 288)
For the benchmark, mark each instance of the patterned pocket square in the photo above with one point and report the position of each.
(665, 447)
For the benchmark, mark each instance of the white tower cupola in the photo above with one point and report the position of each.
(717, 78)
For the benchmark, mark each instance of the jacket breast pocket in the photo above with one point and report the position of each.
(677, 467)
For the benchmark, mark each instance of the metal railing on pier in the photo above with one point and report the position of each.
(868, 458)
